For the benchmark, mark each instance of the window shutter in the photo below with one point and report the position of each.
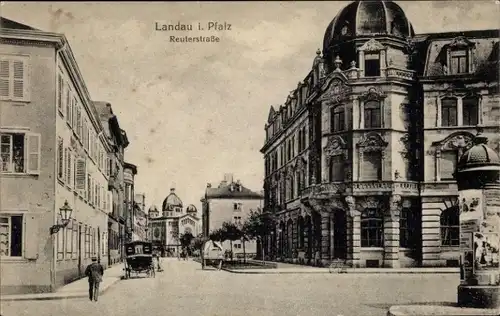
(33, 153)
(80, 175)
(31, 228)
(4, 78)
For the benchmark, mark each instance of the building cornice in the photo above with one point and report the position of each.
(63, 49)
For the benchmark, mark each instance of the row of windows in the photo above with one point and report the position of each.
(451, 113)
(14, 238)
(92, 242)
(74, 112)
(72, 171)
(287, 151)
(372, 228)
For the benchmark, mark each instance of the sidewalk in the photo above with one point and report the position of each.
(283, 268)
(76, 289)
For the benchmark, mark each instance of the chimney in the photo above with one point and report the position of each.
(228, 177)
(209, 185)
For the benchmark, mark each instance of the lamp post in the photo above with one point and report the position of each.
(65, 212)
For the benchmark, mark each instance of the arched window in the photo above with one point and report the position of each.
(470, 111)
(372, 228)
(450, 227)
(372, 115)
(449, 112)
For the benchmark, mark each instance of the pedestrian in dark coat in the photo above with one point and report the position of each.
(94, 272)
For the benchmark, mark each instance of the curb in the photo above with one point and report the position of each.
(55, 296)
(430, 310)
(328, 272)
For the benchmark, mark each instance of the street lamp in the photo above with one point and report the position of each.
(65, 212)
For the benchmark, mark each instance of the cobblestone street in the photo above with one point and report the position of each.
(184, 289)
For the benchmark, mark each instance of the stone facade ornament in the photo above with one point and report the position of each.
(461, 42)
(374, 94)
(395, 203)
(373, 141)
(351, 206)
(372, 46)
(457, 140)
(335, 146)
(335, 90)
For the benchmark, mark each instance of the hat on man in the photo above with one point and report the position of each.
(94, 259)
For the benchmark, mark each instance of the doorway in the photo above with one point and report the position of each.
(339, 235)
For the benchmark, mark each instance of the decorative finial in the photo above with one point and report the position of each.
(353, 64)
(480, 138)
(337, 62)
(318, 52)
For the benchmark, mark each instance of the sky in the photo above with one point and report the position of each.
(195, 111)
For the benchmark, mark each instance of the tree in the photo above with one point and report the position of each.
(232, 233)
(198, 242)
(258, 225)
(185, 240)
(217, 235)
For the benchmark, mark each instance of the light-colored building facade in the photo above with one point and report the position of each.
(117, 141)
(230, 202)
(139, 217)
(359, 160)
(52, 151)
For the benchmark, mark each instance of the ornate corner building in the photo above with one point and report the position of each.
(359, 161)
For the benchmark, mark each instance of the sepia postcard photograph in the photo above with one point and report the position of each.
(234, 158)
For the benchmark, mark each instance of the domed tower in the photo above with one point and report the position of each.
(172, 205)
(358, 23)
(191, 209)
(153, 212)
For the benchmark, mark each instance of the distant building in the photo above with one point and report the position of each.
(117, 141)
(139, 217)
(129, 172)
(167, 228)
(360, 158)
(231, 202)
(53, 150)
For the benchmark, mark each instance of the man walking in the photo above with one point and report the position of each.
(94, 272)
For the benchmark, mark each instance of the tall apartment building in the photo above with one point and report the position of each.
(359, 160)
(53, 152)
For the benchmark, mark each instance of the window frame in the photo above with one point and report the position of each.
(9, 216)
(448, 108)
(373, 224)
(26, 135)
(26, 60)
(448, 223)
(442, 153)
(337, 119)
(380, 170)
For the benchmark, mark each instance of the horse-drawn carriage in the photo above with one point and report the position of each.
(139, 259)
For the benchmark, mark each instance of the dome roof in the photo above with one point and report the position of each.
(368, 18)
(191, 209)
(152, 209)
(172, 200)
(479, 156)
